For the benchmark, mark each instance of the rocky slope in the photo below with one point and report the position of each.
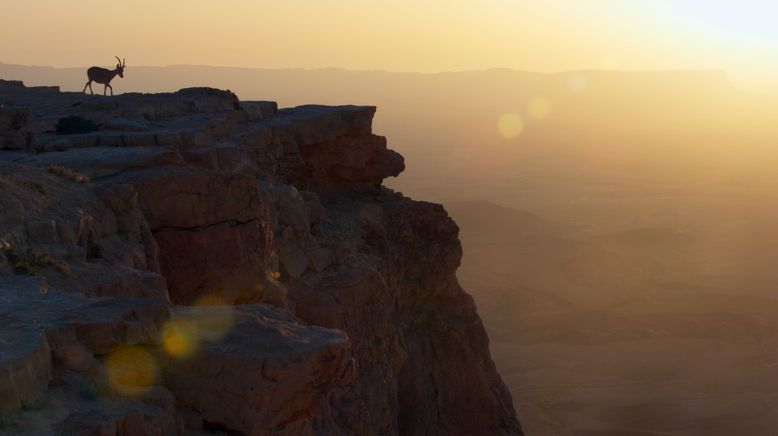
(188, 263)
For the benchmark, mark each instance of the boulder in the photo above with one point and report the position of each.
(279, 370)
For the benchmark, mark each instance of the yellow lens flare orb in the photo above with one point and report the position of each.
(211, 300)
(131, 371)
(578, 83)
(180, 337)
(539, 108)
(213, 317)
(510, 125)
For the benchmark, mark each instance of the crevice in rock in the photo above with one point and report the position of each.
(231, 223)
(216, 427)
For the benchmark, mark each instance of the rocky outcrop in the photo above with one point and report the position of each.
(188, 262)
(409, 321)
(264, 375)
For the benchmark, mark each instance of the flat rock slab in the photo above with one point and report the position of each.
(102, 162)
(266, 375)
(30, 316)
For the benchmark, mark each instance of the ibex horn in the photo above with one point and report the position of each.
(120, 61)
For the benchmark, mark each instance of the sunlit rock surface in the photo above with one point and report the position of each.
(187, 263)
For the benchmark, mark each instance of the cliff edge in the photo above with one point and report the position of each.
(187, 263)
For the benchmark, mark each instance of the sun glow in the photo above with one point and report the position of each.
(403, 35)
(751, 22)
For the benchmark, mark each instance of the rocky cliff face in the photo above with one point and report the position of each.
(189, 263)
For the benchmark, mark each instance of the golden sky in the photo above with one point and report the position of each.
(399, 35)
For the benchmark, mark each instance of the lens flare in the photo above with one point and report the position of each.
(510, 125)
(209, 319)
(539, 108)
(214, 320)
(131, 371)
(578, 83)
(211, 300)
(180, 337)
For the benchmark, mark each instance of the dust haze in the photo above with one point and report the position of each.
(618, 228)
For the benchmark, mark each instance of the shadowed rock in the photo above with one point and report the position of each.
(34, 323)
(267, 375)
(197, 198)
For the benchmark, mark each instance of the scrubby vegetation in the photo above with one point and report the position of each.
(67, 173)
(38, 186)
(74, 125)
(31, 262)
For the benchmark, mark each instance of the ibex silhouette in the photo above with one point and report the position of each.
(104, 76)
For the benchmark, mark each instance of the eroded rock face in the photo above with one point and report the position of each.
(473, 399)
(413, 328)
(203, 264)
(267, 375)
(213, 231)
(45, 332)
(330, 150)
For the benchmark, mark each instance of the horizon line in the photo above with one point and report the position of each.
(380, 70)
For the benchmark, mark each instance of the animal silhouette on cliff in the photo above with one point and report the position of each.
(104, 76)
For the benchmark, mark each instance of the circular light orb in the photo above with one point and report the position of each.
(213, 316)
(539, 108)
(180, 337)
(578, 83)
(510, 125)
(131, 371)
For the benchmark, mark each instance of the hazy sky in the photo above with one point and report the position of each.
(399, 35)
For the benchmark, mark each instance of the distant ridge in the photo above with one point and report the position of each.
(33, 74)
